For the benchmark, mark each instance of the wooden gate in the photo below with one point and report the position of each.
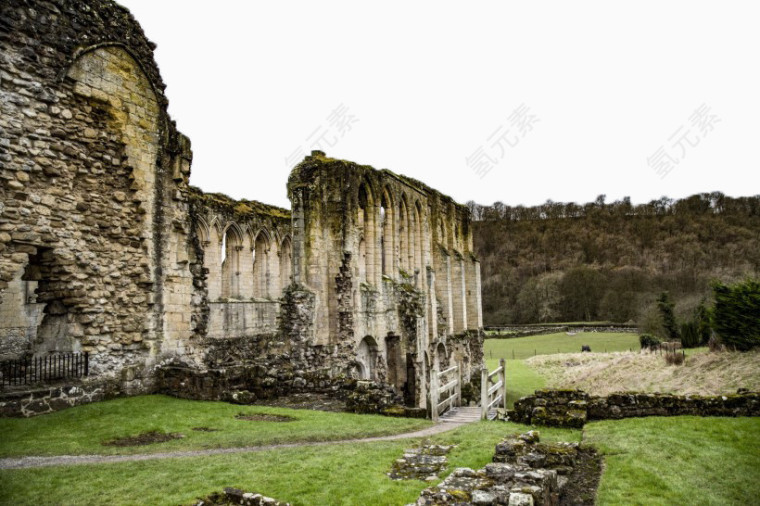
(445, 391)
(493, 390)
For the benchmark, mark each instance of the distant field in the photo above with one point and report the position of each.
(523, 380)
(547, 344)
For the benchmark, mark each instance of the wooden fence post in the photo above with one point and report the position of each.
(484, 393)
(503, 379)
(434, 395)
(459, 385)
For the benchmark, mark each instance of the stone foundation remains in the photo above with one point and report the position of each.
(524, 472)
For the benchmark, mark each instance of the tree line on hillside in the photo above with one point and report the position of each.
(611, 261)
(732, 321)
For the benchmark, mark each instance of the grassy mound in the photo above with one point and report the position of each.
(703, 372)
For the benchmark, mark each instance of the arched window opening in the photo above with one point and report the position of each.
(261, 267)
(403, 236)
(366, 356)
(231, 246)
(383, 257)
(440, 359)
(418, 240)
(286, 264)
(365, 223)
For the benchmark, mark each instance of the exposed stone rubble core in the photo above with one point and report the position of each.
(236, 496)
(525, 472)
(106, 248)
(421, 463)
(572, 408)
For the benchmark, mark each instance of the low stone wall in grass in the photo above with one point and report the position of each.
(572, 408)
(41, 400)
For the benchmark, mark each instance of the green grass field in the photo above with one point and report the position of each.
(520, 348)
(81, 430)
(680, 460)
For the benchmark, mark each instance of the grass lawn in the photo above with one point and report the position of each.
(679, 460)
(82, 429)
(341, 474)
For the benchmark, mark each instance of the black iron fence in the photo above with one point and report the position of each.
(60, 366)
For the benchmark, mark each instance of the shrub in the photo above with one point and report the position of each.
(690, 337)
(668, 317)
(736, 317)
(715, 345)
(674, 358)
(648, 341)
(704, 325)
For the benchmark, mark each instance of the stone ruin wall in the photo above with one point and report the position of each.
(105, 248)
(94, 222)
(247, 255)
(390, 261)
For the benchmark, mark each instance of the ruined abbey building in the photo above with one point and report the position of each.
(106, 249)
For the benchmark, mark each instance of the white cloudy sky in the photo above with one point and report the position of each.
(606, 94)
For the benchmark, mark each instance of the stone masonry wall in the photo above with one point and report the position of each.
(572, 408)
(377, 249)
(91, 189)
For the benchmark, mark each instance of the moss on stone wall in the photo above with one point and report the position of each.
(242, 209)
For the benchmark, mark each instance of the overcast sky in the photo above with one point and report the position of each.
(513, 101)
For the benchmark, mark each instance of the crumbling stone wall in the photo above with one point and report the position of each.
(93, 190)
(389, 259)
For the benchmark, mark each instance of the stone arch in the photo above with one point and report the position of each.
(442, 239)
(286, 263)
(366, 225)
(418, 238)
(440, 357)
(262, 265)
(366, 357)
(387, 226)
(403, 234)
(202, 230)
(110, 74)
(232, 245)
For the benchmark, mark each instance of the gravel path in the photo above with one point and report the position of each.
(70, 460)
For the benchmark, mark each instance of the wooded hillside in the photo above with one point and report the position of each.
(609, 261)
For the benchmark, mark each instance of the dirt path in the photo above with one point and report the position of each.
(70, 460)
